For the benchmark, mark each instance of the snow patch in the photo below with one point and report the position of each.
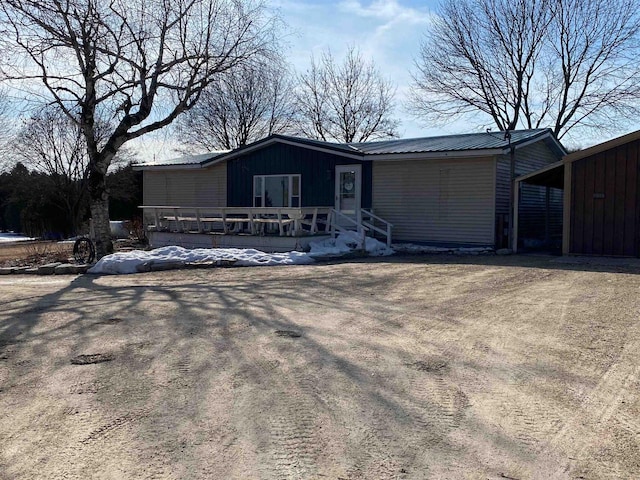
(13, 237)
(176, 257)
(413, 248)
(135, 261)
(347, 242)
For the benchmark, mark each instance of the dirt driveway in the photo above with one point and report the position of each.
(414, 367)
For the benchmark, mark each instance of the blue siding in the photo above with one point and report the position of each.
(317, 170)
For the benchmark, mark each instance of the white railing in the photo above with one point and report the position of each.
(369, 220)
(339, 222)
(289, 221)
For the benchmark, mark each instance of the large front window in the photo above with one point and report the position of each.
(276, 191)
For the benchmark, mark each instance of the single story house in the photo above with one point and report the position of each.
(444, 190)
(601, 204)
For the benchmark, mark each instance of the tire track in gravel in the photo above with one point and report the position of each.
(373, 457)
(292, 434)
(436, 407)
(107, 429)
(598, 409)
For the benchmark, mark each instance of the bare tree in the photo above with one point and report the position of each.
(247, 103)
(347, 102)
(52, 144)
(530, 63)
(133, 64)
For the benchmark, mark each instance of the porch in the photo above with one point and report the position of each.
(282, 221)
(272, 229)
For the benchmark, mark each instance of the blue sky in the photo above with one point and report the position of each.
(387, 31)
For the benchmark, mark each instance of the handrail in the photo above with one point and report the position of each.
(371, 214)
(386, 231)
(361, 229)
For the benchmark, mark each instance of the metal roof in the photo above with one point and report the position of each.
(182, 161)
(601, 147)
(450, 143)
(485, 142)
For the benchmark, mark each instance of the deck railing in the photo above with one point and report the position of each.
(255, 220)
(340, 223)
(372, 221)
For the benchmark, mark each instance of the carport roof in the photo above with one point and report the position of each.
(550, 176)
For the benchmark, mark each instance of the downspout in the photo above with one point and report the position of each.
(512, 176)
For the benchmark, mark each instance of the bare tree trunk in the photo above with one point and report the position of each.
(100, 213)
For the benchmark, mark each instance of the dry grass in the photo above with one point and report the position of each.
(34, 253)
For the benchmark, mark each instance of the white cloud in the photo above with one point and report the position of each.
(387, 10)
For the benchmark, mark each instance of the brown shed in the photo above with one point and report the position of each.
(601, 209)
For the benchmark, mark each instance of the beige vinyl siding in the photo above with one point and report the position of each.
(528, 159)
(186, 188)
(532, 223)
(438, 201)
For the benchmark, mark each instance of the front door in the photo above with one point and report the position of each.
(348, 190)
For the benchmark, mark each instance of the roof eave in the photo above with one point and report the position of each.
(287, 141)
(601, 147)
(434, 155)
(184, 166)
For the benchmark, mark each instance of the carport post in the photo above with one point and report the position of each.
(516, 197)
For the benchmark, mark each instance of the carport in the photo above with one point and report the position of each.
(602, 212)
(601, 204)
(550, 177)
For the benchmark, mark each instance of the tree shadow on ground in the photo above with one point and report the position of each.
(197, 362)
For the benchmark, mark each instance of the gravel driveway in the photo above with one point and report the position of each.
(404, 367)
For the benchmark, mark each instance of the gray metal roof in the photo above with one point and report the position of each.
(369, 150)
(449, 143)
(185, 160)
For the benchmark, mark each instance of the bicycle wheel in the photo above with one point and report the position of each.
(83, 250)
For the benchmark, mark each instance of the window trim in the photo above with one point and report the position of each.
(290, 189)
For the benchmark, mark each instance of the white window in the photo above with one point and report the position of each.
(276, 191)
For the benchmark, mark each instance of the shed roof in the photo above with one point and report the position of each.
(601, 147)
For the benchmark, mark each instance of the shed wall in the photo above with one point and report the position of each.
(186, 188)
(604, 202)
(445, 201)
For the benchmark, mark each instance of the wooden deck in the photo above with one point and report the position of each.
(293, 222)
(265, 243)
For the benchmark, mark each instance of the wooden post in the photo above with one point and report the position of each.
(225, 229)
(566, 209)
(176, 216)
(280, 228)
(516, 198)
(198, 220)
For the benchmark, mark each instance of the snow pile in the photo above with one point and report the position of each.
(347, 242)
(413, 248)
(175, 257)
(13, 237)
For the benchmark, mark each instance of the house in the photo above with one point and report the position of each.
(601, 186)
(445, 190)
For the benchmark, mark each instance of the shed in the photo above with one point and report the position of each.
(601, 210)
